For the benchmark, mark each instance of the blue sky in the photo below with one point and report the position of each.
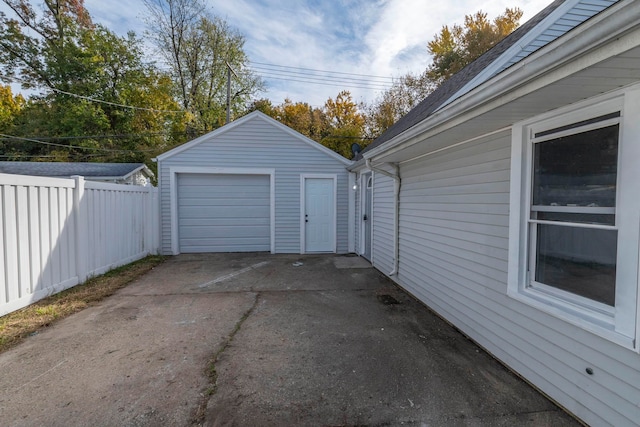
(361, 37)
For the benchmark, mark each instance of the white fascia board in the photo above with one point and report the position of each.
(357, 166)
(239, 122)
(612, 32)
(143, 168)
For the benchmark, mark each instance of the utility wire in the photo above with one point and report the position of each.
(317, 82)
(383, 78)
(115, 104)
(37, 141)
(321, 77)
(325, 77)
(116, 136)
(323, 81)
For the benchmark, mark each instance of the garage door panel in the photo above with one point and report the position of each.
(230, 212)
(226, 222)
(226, 232)
(224, 248)
(233, 194)
(224, 213)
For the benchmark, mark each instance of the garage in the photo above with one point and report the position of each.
(254, 185)
(223, 212)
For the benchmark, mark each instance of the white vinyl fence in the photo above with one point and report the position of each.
(55, 233)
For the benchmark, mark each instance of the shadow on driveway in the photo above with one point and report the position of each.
(259, 339)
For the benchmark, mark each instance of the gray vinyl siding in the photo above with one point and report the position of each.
(454, 224)
(259, 144)
(383, 222)
(582, 11)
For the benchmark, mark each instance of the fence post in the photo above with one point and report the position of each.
(81, 229)
(154, 222)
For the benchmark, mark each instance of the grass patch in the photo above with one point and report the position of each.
(15, 326)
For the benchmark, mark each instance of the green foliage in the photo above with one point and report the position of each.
(394, 103)
(453, 48)
(72, 61)
(199, 48)
(300, 116)
(10, 107)
(345, 124)
(337, 125)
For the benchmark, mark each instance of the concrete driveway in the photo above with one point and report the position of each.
(258, 339)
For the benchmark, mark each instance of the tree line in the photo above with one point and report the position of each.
(95, 97)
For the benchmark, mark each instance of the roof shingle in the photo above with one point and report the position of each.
(449, 88)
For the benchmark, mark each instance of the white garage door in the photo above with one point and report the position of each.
(224, 213)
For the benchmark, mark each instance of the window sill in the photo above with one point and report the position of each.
(573, 314)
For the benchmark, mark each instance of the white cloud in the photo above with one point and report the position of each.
(381, 37)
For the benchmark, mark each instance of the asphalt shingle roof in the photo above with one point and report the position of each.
(63, 169)
(447, 89)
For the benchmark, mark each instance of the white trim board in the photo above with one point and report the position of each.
(173, 195)
(303, 178)
(256, 115)
(515, 49)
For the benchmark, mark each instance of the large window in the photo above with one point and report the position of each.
(573, 245)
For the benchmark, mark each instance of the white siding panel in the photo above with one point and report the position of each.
(383, 222)
(259, 144)
(453, 256)
(358, 214)
(224, 213)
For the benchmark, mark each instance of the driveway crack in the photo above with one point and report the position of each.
(211, 371)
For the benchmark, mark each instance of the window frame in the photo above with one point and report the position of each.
(619, 323)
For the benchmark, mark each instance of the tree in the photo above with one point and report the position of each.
(453, 48)
(346, 124)
(299, 116)
(264, 105)
(199, 48)
(10, 107)
(34, 44)
(74, 62)
(404, 95)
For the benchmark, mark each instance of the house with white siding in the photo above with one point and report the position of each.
(254, 185)
(508, 201)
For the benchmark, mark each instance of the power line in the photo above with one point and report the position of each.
(323, 80)
(117, 136)
(115, 104)
(384, 78)
(38, 141)
(319, 82)
(321, 77)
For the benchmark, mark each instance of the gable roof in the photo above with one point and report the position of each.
(255, 115)
(526, 39)
(67, 169)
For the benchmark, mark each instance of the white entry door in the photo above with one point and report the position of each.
(319, 215)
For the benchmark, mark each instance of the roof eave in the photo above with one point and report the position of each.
(141, 168)
(240, 121)
(616, 27)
